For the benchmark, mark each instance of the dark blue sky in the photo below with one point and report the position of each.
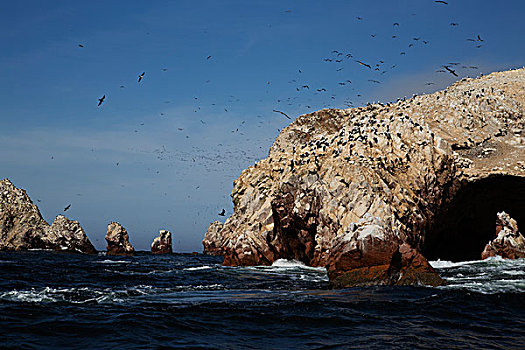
(163, 153)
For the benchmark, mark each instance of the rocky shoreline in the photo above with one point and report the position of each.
(372, 193)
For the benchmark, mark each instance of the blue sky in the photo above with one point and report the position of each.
(163, 153)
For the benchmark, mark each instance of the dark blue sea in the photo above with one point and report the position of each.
(51, 300)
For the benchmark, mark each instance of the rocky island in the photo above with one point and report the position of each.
(373, 193)
(22, 226)
(162, 243)
(509, 242)
(117, 239)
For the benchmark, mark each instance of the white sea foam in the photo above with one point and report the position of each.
(295, 264)
(196, 268)
(107, 261)
(287, 263)
(489, 276)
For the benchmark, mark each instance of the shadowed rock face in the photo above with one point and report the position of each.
(370, 192)
(22, 226)
(118, 240)
(162, 243)
(509, 243)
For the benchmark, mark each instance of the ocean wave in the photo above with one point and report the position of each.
(489, 276)
(84, 295)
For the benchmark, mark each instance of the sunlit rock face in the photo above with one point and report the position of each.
(162, 243)
(22, 226)
(509, 243)
(118, 240)
(371, 193)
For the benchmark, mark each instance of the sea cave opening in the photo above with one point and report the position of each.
(467, 222)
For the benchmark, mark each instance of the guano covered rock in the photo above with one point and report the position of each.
(372, 193)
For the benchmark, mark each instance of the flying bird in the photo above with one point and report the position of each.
(286, 115)
(451, 71)
(208, 57)
(395, 24)
(222, 213)
(101, 100)
(441, 2)
(374, 81)
(141, 76)
(364, 64)
(80, 45)
(66, 208)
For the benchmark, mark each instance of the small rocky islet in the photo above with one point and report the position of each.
(370, 193)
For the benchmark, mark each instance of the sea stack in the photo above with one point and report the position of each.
(118, 240)
(372, 193)
(509, 243)
(22, 226)
(162, 243)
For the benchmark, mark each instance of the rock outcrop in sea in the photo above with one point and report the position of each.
(22, 226)
(509, 243)
(162, 243)
(372, 193)
(118, 240)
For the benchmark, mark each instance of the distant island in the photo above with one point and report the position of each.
(22, 227)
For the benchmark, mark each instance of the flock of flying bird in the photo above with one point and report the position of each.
(340, 58)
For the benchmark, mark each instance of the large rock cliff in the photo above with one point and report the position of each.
(371, 193)
(22, 226)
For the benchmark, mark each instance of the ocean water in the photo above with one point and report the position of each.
(51, 300)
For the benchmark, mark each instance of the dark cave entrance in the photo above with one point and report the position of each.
(461, 231)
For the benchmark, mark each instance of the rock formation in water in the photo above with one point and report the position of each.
(118, 240)
(162, 243)
(22, 226)
(371, 193)
(509, 243)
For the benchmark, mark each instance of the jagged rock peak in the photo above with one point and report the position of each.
(118, 240)
(162, 243)
(509, 243)
(346, 189)
(22, 226)
(212, 240)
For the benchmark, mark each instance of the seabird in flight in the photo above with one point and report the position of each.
(451, 71)
(364, 64)
(101, 100)
(286, 115)
(141, 76)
